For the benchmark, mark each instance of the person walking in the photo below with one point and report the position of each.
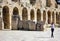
(52, 29)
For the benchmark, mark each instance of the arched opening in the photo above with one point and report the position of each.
(32, 2)
(6, 18)
(53, 16)
(15, 18)
(24, 14)
(15, 11)
(49, 17)
(38, 15)
(32, 14)
(44, 16)
(57, 18)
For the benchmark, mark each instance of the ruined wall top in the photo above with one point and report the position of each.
(36, 3)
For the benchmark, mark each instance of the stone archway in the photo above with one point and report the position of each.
(15, 18)
(49, 17)
(15, 11)
(38, 15)
(6, 17)
(32, 14)
(57, 18)
(44, 16)
(24, 14)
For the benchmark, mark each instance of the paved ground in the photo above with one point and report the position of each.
(30, 35)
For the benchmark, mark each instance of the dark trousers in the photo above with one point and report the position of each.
(52, 30)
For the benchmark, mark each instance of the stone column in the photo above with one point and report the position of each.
(21, 14)
(29, 18)
(2, 19)
(10, 21)
(35, 16)
(41, 15)
(54, 17)
(10, 17)
(46, 18)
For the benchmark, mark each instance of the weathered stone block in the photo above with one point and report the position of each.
(40, 26)
(25, 25)
(14, 23)
(20, 24)
(32, 25)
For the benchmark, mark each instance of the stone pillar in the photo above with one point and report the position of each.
(10, 21)
(29, 18)
(46, 22)
(21, 14)
(1, 25)
(10, 18)
(2, 19)
(46, 18)
(41, 15)
(54, 17)
(35, 16)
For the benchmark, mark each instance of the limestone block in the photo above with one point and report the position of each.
(14, 23)
(25, 25)
(20, 24)
(40, 26)
(32, 25)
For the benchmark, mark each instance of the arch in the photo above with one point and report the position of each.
(38, 15)
(57, 18)
(6, 18)
(32, 14)
(15, 11)
(49, 17)
(24, 14)
(15, 18)
(44, 16)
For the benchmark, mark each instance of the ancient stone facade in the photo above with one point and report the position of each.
(35, 10)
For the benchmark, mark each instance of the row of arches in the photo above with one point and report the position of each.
(6, 15)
